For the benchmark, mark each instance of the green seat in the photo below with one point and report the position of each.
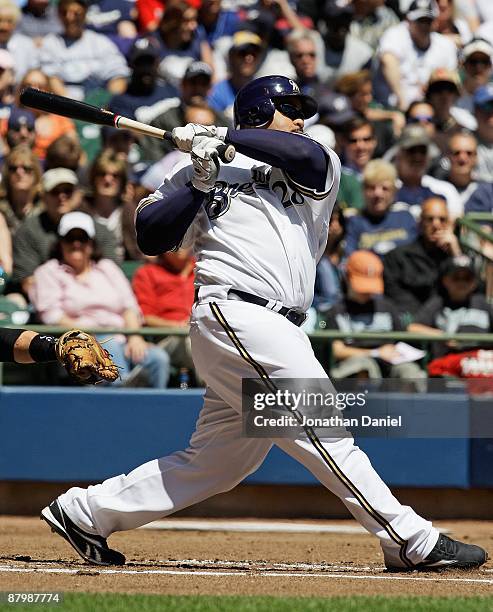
(129, 268)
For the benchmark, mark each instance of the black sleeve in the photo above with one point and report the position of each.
(8, 338)
(302, 158)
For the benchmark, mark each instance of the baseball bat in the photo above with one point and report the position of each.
(67, 107)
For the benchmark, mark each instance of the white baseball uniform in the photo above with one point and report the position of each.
(261, 233)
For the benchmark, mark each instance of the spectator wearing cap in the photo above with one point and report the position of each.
(342, 52)
(115, 19)
(48, 127)
(411, 271)
(483, 111)
(365, 308)
(39, 18)
(20, 187)
(358, 146)
(442, 92)
(77, 287)
(21, 128)
(412, 161)
(22, 48)
(383, 224)
(371, 20)
(388, 124)
(180, 40)
(37, 233)
(448, 24)
(145, 96)
(243, 61)
(458, 307)
(195, 86)
(477, 71)
(80, 60)
(408, 54)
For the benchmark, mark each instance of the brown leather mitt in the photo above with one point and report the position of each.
(84, 358)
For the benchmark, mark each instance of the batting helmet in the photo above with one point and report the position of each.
(254, 103)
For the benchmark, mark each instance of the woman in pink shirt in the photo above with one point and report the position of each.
(79, 289)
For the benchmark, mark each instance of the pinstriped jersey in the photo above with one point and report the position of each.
(258, 230)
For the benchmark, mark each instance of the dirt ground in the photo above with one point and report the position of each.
(227, 562)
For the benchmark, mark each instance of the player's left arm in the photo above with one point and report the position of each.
(304, 160)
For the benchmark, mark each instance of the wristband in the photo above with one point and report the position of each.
(375, 352)
(42, 349)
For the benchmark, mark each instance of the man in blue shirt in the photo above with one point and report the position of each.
(381, 225)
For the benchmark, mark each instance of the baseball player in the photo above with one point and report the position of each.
(81, 354)
(258, 226)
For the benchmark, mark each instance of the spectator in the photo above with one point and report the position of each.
(20, 186)
(423, 114)
(477, 71)
(217, 22)
(449, 25)
(6, 83)
(302, 50)
(37, 233)
(358, 145)
(39, 18)
(462, 155)
(328, 282)
(366, 309)
(371, 20)
(165, 293)
(20, 128)
(382, 225)
(457, 308)
(180, 41)
(79, 288)
(80, 60)
(144, 96)
(106, 201)
(442, 92)
(114, 19)
(21, 47)
(387, 124)
(335, 111)
(243, 61)
(412, 161)
(483, 110)
(411, 271)
(47, 127)
(408, 53)
(342, 52)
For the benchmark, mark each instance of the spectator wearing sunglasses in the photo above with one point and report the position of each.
(477, 71)
(302, 50)
(358, 146)
(483, 111)
(442, 92)
(244, 58)
(78, 287)
(37, 233)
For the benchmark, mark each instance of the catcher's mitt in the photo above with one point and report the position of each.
(84, 358)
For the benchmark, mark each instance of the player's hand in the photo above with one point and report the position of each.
(184, 136)
(205, 160)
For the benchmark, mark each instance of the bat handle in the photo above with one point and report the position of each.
(226, 152)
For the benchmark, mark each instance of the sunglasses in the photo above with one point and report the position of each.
(66, 190)
(301, 54)
(13, 168)
(487, 107)
(457, 152)
(82, 237)
(421, 119)
(112, 174)
(353, 140)
(430, 219)
(478, 62)
(290, 110)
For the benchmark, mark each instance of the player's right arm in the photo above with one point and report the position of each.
(25, 346)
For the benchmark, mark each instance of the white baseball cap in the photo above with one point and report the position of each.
(58, 176)
(76, 220)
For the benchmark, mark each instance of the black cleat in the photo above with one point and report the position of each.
(448, 553)
(91, 548)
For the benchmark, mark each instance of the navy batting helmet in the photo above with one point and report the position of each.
(254, 103)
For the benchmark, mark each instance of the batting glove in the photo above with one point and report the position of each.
(205, 162)
(184, 136)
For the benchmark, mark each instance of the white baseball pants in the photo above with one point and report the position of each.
(232, 340)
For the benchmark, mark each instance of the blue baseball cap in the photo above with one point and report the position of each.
(483, 95)
(19, 117)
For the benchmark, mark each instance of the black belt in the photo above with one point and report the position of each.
(291, 314)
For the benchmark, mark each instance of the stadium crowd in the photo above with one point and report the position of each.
(405, 93)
